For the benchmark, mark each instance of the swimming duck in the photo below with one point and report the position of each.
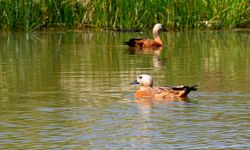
(148, 43)
(160, 93)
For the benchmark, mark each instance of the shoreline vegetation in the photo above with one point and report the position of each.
(123, 15)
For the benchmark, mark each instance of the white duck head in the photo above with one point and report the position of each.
(144, 80)
(156, 30)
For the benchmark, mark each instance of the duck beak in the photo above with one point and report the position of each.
(164, 28)
(135, 82)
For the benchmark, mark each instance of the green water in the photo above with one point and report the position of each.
(70, 90)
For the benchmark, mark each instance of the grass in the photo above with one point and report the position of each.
(120, 14)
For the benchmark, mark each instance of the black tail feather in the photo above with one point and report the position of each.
(186, 88)
(192, 88)
(189, 89)
(131, 42)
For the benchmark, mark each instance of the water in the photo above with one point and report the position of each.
(70, 90)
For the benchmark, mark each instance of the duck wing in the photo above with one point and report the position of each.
(133, 42)
(179, 90)
(179, 87)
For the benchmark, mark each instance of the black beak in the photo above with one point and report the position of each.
(164, 28)
(135, 82)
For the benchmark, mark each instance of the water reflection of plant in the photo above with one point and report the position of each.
(216, 59)
(89, 61)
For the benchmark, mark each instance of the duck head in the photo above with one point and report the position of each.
(145, 80)
(156, 30)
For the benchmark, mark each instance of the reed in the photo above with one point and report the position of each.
(120, 14)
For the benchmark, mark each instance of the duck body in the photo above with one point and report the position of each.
(144, 43)
(165, 93)
(147, 43)
(160, 93)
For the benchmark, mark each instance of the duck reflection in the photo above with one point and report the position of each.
(157, 61)
(150, 102)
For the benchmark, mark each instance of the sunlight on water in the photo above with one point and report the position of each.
(70, 90)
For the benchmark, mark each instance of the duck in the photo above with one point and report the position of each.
(148, 43)
(147, 90)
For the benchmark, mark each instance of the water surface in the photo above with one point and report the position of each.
(70, 90)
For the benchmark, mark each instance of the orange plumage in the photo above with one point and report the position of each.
(160, 93)
(148, 43)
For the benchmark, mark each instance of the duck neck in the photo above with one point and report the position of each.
(156, 34)
(158, 40)
(145, 88)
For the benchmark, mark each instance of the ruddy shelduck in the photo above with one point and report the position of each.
(160, 93)
(148, 43)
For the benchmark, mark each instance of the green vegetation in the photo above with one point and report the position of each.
(31, 15)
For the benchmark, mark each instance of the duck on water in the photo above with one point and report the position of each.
(156, 42)
(160, 93)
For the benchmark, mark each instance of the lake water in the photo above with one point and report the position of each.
(70, 90)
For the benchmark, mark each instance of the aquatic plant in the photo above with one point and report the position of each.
(123, 14)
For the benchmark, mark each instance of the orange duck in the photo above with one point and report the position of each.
(148, 43)
(160, 93)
